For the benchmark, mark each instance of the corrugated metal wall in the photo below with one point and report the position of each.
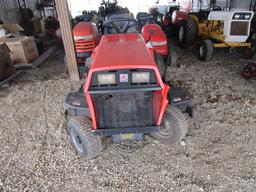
(9, 10)
(32, 5)
(244, 4)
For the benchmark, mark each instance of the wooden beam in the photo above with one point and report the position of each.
(67, 36)
(7, 80)
(38, 61)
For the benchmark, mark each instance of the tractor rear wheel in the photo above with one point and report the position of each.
(206, 50)
(85, 142)
(173, 128)
(187, 32)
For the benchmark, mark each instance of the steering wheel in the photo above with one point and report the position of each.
(91, 15)
(148, 18)
(111, 24)
(216, 8)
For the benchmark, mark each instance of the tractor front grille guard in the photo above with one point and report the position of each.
(239, 28)
(121, 110)
(84, 46)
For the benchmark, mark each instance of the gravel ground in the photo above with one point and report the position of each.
(217, 155)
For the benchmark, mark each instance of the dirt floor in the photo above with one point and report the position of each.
(217, 155)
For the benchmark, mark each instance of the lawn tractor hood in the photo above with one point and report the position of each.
(124, 87)
(237, 24)
(86, 37)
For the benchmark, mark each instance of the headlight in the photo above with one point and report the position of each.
(237, 16)
(87, 37)
(158, 43)
(241, 16)
(140, 77)
(107, 79)
(247, 16)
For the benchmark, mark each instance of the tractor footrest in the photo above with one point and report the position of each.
(116, 131)
(75, 104)
(181, 99)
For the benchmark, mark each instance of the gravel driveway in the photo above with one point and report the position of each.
(217, 155)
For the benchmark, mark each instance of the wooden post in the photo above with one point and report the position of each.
(67, 36)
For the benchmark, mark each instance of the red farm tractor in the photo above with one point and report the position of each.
(125, 95)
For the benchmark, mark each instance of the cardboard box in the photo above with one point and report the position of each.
(6, 65)
(23, 49)
(9, 29)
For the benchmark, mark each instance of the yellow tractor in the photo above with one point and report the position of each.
(218, 28)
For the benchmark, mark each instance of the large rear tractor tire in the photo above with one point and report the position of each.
(85, 142)
(206, 50)
(187, 32)
(173, 128)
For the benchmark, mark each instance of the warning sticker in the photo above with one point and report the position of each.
(123, 78)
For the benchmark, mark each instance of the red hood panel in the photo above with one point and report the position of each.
(120, 50)
(84, 29)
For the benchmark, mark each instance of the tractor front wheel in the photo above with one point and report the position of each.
(85, 142)
(206, 50)
(174, 127)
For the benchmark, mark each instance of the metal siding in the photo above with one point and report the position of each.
(9, 11)
(31, 4)
(245, 4)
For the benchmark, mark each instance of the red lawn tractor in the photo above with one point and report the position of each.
(86, 38)
(125, 95)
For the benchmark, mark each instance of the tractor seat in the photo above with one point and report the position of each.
(121, 24)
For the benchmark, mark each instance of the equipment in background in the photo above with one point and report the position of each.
(249, 71)
(109, 7)
(6, 65)
(88, 34)
(217, 29)
(86, 38)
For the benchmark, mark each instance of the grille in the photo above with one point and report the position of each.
(239, 28)
(119, 110)
(84, 46)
